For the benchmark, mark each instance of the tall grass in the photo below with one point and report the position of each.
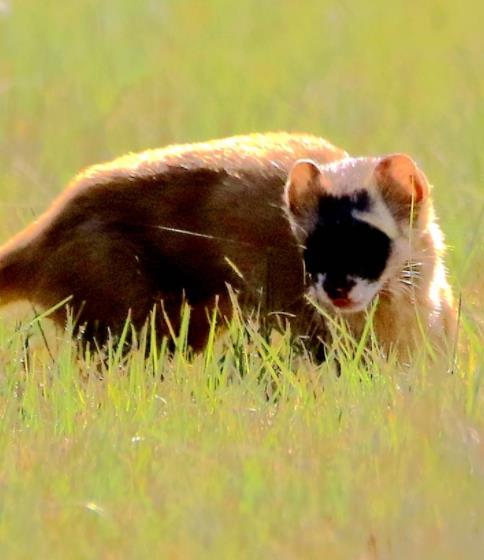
(248, 450)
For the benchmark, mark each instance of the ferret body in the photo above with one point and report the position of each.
(183, 223)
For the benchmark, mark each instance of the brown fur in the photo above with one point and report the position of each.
(166, 226)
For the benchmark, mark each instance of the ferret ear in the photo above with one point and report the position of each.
(402, 184)
(303, 187)
(400, 173)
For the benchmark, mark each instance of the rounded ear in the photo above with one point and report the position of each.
(302, 186)
(398, 172)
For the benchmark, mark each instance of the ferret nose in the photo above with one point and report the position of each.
(338, 289)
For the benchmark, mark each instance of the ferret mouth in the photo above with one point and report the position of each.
(342, 303)
(348, 305)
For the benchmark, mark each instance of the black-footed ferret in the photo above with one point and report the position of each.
(274, 216)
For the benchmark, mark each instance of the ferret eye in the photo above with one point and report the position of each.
(372, 263)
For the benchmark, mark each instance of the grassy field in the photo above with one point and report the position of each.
(246, 452)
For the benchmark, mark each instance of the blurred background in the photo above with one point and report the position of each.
(83, 82)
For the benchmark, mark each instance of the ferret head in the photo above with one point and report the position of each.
(353, 219)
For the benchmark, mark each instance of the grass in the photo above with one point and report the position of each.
(248, 451)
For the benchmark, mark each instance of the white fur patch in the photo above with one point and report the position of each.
(360, 295)
(363, 292)
(379, 217)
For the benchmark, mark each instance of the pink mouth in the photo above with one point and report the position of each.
(342, 302)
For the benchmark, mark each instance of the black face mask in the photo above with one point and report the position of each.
(343, 246)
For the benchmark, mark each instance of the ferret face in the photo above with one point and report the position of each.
(344, 255)
(351, 218)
